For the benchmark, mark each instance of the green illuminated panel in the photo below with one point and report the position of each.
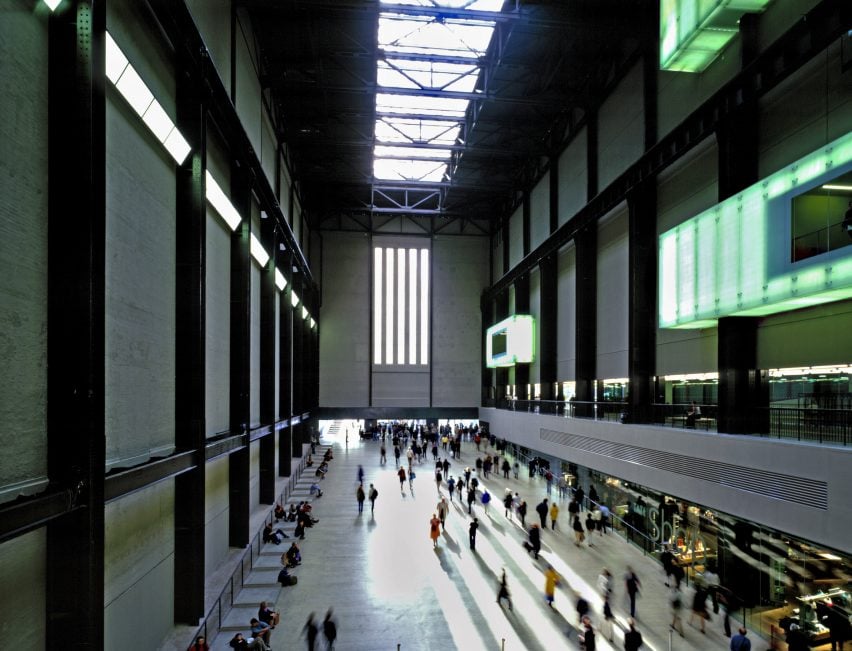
(694, 32)
(510, 342)
(734, 260)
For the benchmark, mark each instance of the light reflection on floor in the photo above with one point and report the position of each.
(424, 598)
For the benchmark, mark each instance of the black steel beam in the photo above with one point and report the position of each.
(268, 345)
(812, 34)
(147, 474)
(240, 369)
(190, 360)
(586, 325)
(29, 513)
(180, 28)
(225, 445)
(76, 432)
(522, 306)
(548, 326)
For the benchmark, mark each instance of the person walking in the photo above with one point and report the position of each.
(396, 454)
(443, 508)
(632, 638)
(608, 620)
(633, 585)
(676, 603)
(503, 592)
(360, 496)
(505, 467)
(535, 540)
(438, 479)
(360, 474)
(329, 629)
(485, 499)
(541, 509)
(471, 532)
(554, 513)
(577, 526)
(311, 631)
(373, 495)
(740, 642)
(383, 455)
(401, 474)
(551, 580)
(471, 498)
(699, 606)
(507, 504)
(522, 513)
(451, 487)
(516, 469)
(587, 639)
(605, 583)
(434, 530)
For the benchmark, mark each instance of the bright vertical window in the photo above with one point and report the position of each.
(377, 306)
(412, 306)
(389, 309)
(400, 306)
(424, 306)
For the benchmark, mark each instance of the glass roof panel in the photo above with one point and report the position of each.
(425, 74)
(402, 130)
(422, 105)
(426, 34)
(383, 151)
(408, 170)
(478, 5)
(439, 36)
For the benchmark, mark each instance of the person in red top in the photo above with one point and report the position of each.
(200, 644)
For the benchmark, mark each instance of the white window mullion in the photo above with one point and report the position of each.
(401, 307)
(412, 306)
(377, 305)
(389, 307)
(424, 306)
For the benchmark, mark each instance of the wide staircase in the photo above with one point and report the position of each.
(261, 583)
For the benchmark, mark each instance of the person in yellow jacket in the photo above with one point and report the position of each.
(551, 580)
(554, 513)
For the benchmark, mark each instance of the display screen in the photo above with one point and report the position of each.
(499, 343)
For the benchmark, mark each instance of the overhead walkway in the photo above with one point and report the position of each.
(390, 589)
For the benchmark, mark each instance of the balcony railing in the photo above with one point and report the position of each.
(813, 425)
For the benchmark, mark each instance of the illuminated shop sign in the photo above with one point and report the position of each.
(740, 258)
(694, 32)
(510, 342)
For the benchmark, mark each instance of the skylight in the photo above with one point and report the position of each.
(427, 72)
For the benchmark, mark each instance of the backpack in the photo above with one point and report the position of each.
(374, 495)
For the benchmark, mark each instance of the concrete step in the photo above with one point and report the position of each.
(263, 577)
(253, 596)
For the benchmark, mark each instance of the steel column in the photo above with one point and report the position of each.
(268, 291)
(586, 310)
(190, 361)
(548, 326)
(522, 306)
(240, 392)
(525, 215)
(743, 388)
(74, 608)
(642, 300)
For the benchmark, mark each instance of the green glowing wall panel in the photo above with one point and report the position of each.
(519, 348)
(734, 259)
(694, 32)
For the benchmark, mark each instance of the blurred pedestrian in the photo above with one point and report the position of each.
(329, 629)
(503, 592)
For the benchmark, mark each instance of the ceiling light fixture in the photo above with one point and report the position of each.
(280, 281)
(220, 202)
(258, 252)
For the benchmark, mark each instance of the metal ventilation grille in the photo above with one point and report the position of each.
(776, 485)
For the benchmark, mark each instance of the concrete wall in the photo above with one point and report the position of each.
(23, 250)
(621, 127)
(612, 295)
(831, 527)
(345, 334)
(516, 237)
(459, 276)
(213, 19)
(140, 297)
(573, 177)
(535, 310)
(566, 288)
(540, 212)
(139, 568)
(23, 572)
(216, 513)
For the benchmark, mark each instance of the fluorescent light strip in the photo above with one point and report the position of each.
(305, 313)
(842, 188)
(258, 252)
(133, 88)
(220, 202)
(313, 323)
(294, 299)
(280, 281)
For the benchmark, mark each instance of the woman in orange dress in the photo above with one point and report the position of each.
(434, 529)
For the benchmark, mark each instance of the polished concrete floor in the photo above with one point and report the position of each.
(389, 588)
